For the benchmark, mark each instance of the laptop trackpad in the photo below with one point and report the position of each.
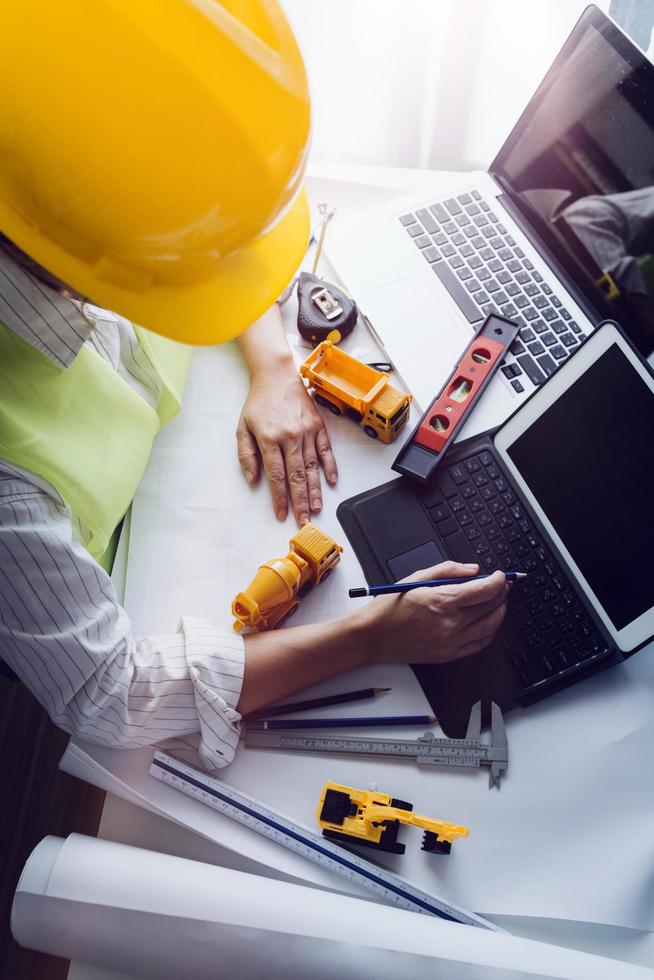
(421, 329)
(424, 556)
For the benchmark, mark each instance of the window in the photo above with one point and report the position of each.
(399, 412)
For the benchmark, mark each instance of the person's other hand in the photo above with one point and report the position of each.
(434, 625)
(281, 430)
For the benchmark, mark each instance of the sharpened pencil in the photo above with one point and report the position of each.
(400, 587)
(287, 709)
(281, 724)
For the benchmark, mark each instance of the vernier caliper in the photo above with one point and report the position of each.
(427, 750)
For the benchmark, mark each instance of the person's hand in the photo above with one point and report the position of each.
(433, 625)
(281, 429)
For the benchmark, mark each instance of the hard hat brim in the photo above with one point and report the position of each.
(247, 283)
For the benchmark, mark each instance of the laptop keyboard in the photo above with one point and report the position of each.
(547, 633)
(485, 271)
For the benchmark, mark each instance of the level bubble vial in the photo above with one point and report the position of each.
(460, 389)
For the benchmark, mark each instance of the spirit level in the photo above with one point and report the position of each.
(444, 418)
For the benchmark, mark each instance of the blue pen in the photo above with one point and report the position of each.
(399, 587)
(279, 724)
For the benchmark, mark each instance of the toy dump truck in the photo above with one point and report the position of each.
(349, 387)
(275, 592)
(372, 819)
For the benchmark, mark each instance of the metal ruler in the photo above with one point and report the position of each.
(262, 819)
(468, 752)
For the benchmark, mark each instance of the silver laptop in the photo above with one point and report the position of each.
(555, 235)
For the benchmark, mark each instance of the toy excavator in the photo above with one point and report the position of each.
(372, 819)
(275, 592)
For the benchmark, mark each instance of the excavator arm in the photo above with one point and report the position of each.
(440, 829)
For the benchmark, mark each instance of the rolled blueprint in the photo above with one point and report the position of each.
(156, 916)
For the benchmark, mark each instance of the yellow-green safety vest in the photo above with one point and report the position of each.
(83, 429)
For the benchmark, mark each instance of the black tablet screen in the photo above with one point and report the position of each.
(589, 461)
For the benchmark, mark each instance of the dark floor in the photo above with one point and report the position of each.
(36, 799)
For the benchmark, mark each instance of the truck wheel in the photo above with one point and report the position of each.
(326, 575)
(287, 616)
(369, 431)
(325, 402)
(305, 589)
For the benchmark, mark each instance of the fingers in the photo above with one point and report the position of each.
(273, 464)
(447, 569)
(312, 473)
(296, 477)
(292, 467)
(483, 590)
(326, 456)
(483, 630)
(247, 452)
(318, 452)
(291, 442)
(472, 601)
(469, 648)
(473, 611)
(471, 614)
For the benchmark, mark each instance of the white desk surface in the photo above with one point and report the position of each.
(350, 187)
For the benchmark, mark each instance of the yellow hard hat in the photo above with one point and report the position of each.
(152, 155)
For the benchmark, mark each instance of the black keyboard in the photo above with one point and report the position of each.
(485, 271)
(547, 633)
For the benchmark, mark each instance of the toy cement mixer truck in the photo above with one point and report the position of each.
(275, 592)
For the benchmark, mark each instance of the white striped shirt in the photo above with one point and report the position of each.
(62, 629)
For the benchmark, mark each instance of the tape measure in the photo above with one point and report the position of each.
(324, 311)
(264, 820)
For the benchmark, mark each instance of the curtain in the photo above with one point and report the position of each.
(424, 83)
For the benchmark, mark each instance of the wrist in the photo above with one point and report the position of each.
(281, 361)
(264, 345)
(362, 637)
(276, 364)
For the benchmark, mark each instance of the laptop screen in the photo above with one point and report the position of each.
(580, 161)
(585, 457)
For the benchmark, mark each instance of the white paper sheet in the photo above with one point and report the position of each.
(568, 834)
(199, 532)
(165, 917)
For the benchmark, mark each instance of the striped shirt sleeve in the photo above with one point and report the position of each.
(64, 633)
